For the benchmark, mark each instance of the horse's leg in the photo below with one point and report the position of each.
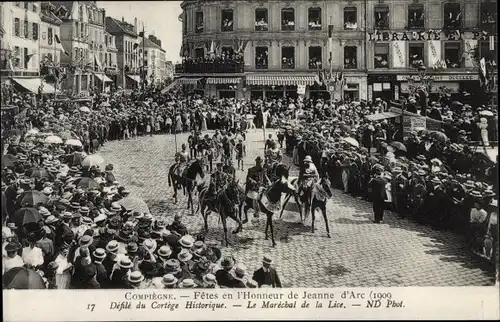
(235, 218)
(174, 186)
(267, 227)
(313, 213)
(286, 201)
(205, 214)
(270, 219)
(296, 197)
(325, 217)
(224, 225)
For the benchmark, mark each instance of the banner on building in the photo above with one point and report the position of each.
(418, 124)
(301, 89)
(399, 53)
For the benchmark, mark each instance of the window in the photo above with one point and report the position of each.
(199, 53)
(261, 19)
(315, 57)
(227, 20)
(314, 18)
(75, 54)
(82, 30)
(484, 51)
(488, 15)
(452, 16)
(227, 52)
(416, 16)
(35, 31)
(199, 22)
(261, 58)
(287, 19)
(350, 57)
(16, 62)
(288, 57)
(17, 27)
(350, 18)
(382, 17)
(26, 5)
(381, 57)
(452, 54)
(416, 55)
(26, 29)
(26, 58)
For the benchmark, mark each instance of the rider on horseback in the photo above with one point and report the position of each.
(308, 177)
(255, 179)
(183, 158)
(273, 155)
(218, 180)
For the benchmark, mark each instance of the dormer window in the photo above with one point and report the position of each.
(416, 16)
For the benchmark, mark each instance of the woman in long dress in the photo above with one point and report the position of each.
(204, 121)
(63, 272)
(178, 124)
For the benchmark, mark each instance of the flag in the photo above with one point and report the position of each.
(483, 72)
(28, 57)
(138, 40)
(59, 45)
(320, 77)
(242, 46)
(212, 48)
(97, 63)
(340, 78)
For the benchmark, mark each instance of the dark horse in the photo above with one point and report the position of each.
(186, 180)
(226, 203)
(317, 198)
(269, 199)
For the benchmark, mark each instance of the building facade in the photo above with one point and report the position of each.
(127, 58)
(169, 70)
(111, 59)
(50, 55)
(97, 46)
(285, 43)
(154, 57)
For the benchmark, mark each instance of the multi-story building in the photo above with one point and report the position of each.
(74, 38)
(169, 70)
(154, 57)
(20, 45)
(110, 58)
(128, 59)
(447, 37)
(284, 43)
(50, 55)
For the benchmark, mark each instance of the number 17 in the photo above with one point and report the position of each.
(91, 307)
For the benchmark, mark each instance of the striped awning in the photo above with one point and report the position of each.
(223, 80)
(277, 80)
(188, 81)
(382, 116)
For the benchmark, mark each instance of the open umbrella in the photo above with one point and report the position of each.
(73, 142)
(53, 139)
(26, 216)
(38, 172)
(33, 131)
(440, 136)
(91, 160)
(87, 183)
(22, 278)
(486, 113)
(31, 198)
(8, 160)
(398, 145)
(65, 135)
(134, 204)
(351, 141)
(85, 109)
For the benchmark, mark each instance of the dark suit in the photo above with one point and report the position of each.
(378, 197)
(269, 277)
(224, 278)
(237, 283)
(102, 275)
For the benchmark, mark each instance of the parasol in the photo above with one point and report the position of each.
(440, 136)
(351, 141)
(87, 183)
(92, 160)
(78, 157)
(457, 103)
(33, 131)
(8, 160)
(38, 172)
(53, 139)
(486, 113)
(73, 142)
(134, 204)
(85, 109)
(398, 145)
(26, 216)
(22, 278)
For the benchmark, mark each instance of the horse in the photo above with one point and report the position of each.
(269, 199)
(186, 179)
(226, 204)
(317, 198)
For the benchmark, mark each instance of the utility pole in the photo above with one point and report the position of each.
(143, 62)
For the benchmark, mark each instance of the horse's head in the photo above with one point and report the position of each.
(282, 171)
(233, 191)
(198, 167)
(326, 185)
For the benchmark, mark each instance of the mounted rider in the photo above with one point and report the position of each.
(273, 155)
(218, 179)
(308, 176)
(182, 159)
(255, 179)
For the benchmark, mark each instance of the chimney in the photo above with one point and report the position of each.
(135, 25)
(123, 19)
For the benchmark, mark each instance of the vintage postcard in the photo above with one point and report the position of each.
(262, 159)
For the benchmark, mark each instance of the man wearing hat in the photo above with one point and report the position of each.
(102, 275)
(177, 225)
(63, 232)
(224, 276)
(135, 280)
(399, 190)
(267, 275)
(111, 259)
(119, 276)
(209, 281)
(308, 175)
(239, 277)
(255, 179)
(12, 259)
(169, 281)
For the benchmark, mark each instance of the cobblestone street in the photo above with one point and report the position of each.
(360, 253)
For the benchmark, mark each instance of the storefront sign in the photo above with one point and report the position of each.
(377, 87)
(301, 89)
(440, 78)
(418, 123)
(421, 35)
(386, 86)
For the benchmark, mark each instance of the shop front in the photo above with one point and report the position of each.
(274, 86)
(382, 86)
(223, 87)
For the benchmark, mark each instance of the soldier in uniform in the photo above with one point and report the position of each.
(217, 180)
(255, 179)
(183, 159)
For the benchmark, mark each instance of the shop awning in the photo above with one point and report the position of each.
(277, 80)
(103, 78)
(382, 116)
(188, 81)
(135, 78)
(223, 80)
(32, 85)
(170, 86)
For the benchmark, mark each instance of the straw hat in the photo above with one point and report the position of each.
(135, 277)
(169, 280)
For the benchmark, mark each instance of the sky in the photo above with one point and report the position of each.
(160, 18)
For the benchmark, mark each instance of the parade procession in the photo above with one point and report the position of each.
(306, 153)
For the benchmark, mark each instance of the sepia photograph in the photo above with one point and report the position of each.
(249, 144)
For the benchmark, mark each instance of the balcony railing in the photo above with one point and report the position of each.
(210, 67)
